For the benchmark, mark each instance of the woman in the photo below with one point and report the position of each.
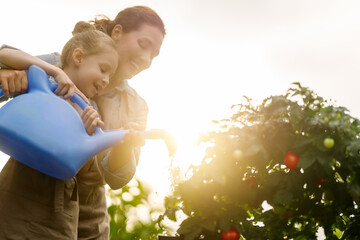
(138, 33)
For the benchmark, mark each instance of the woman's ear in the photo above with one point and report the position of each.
(77, 56)
(116, 32)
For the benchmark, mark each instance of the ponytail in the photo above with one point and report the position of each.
(103, 24)
(82, 27)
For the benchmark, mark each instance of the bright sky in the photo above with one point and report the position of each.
(214, 53)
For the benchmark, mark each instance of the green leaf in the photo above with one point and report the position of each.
(193, 235)
(190, 228)
(283, 196)
(171, 214)
(338, 233)
(224, 224)
(354, 189)
(209, 225)
(306, 160)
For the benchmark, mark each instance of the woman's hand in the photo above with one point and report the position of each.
(91, 120)
(134, 126)
(133, 139)
(123, 151)
(13, 82)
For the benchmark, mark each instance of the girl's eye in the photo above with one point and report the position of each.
(102, 69)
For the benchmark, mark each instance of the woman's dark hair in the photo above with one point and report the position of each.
(131, 19)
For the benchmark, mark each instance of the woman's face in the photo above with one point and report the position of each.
(137, 49)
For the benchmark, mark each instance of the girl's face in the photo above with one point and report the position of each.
(136, 49)
(93, 71)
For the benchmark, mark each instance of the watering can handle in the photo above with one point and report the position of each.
(75, 98)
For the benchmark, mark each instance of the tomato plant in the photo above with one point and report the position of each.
(291, 160)
(232, 234)
(121, 210)
(258, 195)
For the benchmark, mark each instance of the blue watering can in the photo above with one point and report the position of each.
(46, 133)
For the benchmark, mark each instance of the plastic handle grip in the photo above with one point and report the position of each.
(75, 98)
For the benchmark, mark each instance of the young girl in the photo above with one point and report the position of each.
(34, 205)
(138, 33)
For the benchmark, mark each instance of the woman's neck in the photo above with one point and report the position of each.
(115, 81)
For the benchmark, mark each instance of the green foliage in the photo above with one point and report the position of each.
(124, 224)
(229, 190)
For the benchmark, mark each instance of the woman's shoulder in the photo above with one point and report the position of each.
(52, 58)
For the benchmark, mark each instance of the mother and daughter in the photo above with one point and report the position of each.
(96, 63)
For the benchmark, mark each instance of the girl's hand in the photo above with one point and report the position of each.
(13, 82)
(91, 120)
(66, 87)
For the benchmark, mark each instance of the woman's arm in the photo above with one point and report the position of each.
(20, 60)
(124, 151)
(13, 82)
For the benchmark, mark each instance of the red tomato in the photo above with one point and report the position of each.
(289, 214)
(320, 182)
(251, 181)
(232, 234)
(291, 160)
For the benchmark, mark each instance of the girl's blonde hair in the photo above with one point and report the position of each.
(85, 36)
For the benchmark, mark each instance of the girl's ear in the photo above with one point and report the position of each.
(116, 32)
(77, 56)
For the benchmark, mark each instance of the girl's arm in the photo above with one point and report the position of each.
(20, 60)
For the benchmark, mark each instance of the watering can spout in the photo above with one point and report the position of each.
(102, 140)
(109, 138)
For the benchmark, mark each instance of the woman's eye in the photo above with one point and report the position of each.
(143, 44)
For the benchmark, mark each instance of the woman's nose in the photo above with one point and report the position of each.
(146, 60)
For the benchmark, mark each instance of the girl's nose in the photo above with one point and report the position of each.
(105, 81)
